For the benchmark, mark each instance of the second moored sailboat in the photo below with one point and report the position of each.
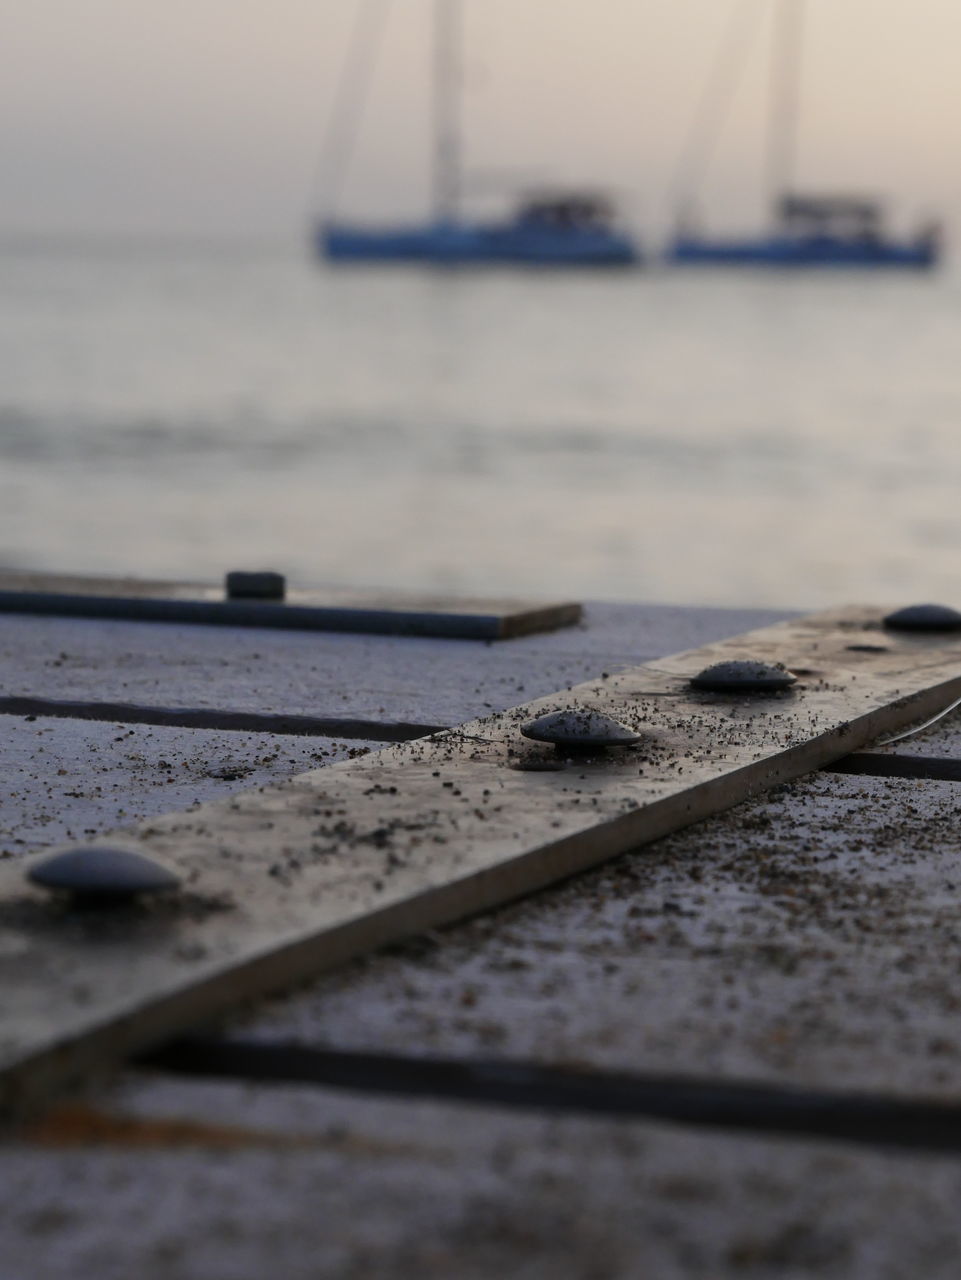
(807, 230)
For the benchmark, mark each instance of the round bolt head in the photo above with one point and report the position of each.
(924, 617)
(102, 872)
(743, 676)
(579, 729)
(262, 585)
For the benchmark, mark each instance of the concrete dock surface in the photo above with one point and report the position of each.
(807, 939)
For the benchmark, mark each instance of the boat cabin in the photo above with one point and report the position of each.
(567, 211)
(830, 217)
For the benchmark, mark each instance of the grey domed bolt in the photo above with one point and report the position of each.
(263, 585)
(579, 729)
(924, 617)
(743, 676)
(102, 873)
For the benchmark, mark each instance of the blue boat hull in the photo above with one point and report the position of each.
(466, 244)
(827, 251)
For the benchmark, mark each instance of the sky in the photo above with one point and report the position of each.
(206, 117)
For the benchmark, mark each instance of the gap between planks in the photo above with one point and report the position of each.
(873, 1119)
(212, 718)
(872, 764)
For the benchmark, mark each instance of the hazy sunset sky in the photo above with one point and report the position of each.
(205, 116)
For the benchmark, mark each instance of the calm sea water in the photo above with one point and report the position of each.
(664, 436)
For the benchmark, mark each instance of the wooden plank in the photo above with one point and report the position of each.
(288, 880)
(372, 613)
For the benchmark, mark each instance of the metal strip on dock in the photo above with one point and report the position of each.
(368, 613)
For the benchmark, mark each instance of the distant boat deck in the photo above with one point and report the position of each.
(778, 251)
(556, 232)
(814, 232)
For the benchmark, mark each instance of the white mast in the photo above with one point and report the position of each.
(447, 143)
(785, 97)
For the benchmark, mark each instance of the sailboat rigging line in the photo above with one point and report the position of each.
(785, 97)
(447, 85)
(350, 98)
(737, 39)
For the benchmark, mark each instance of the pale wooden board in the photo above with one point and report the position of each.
(288, 880)
(231, 1183)
(328, 609)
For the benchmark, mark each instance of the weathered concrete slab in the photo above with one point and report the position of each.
(374, 677)
(166, 1180)
(291, 880)
(814, 931)
(69, 779)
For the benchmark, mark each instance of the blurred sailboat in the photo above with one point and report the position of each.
(807, 230)
(549, 228)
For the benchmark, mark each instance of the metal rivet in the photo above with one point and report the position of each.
(262, 585)
(743, 676)
(102, 872)
(924, 617)
(579, 729)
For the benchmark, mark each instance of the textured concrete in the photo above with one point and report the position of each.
(68, 779)
(315, 673)
(170, 1182)
(286, 882)
(812, 935)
